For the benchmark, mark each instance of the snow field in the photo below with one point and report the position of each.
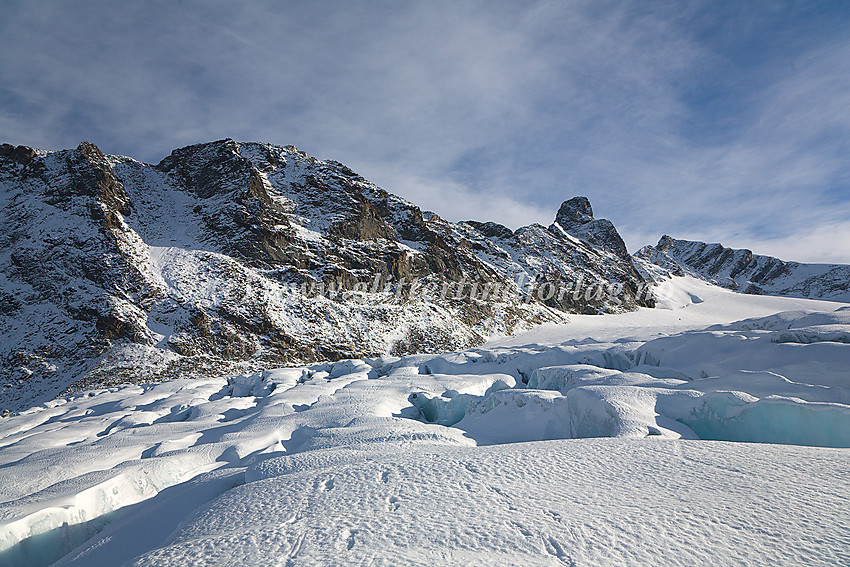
(466, 458)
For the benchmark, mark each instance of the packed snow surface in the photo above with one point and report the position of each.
(713, 430)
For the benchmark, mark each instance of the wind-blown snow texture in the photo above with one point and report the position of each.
(115, 271)
(415, 460)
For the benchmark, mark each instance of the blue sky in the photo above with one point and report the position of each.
(717, 121)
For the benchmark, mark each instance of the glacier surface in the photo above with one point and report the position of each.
(712, 430)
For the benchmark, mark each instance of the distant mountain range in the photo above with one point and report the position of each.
(743, 271)
(227, 257)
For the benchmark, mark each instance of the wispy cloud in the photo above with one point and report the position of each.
(703, 120)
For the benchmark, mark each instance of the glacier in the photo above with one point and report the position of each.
(713, 429)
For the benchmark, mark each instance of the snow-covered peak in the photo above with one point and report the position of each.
(231, 255)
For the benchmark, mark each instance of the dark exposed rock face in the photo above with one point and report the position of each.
(575, 212)
(492, 229)
(741, 270)
(228, 256)
(19, 154)
(576, 218)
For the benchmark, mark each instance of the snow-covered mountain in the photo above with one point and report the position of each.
(227, 257)
(741, 270)
(243, 319)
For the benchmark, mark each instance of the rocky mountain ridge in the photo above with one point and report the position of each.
(222, 258)
(742, 270)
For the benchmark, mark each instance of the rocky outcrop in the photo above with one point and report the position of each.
(228, 256)
(741, 270)
(21, 155)
(575, 217)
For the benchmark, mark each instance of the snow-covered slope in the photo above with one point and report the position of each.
(228, 257)
(747, 272)
(416, 460)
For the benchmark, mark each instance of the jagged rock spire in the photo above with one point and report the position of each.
(575, 217)
(576, 210)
